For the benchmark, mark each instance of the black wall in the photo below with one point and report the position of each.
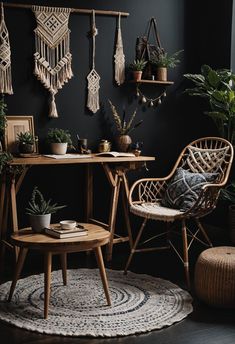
(201, 28)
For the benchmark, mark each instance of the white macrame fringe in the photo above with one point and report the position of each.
(5, 57)
(53, 60)
(5, 81)
(53, 109)
(119, 58)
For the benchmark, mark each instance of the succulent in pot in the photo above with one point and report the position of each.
(26, 142)
(137, 66)
(59, 140)
(40, 210)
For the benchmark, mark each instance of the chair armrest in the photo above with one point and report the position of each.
(147, 190)
(206, 201)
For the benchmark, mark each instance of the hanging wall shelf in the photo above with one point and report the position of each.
(156, 82)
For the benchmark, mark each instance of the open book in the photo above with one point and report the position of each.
(115, 154)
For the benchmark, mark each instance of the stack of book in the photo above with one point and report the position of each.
(57, 232)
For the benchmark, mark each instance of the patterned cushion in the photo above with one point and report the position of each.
(184, 188)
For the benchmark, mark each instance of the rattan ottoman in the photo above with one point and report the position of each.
(215, 276)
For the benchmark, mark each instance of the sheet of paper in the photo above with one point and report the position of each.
(68, 156)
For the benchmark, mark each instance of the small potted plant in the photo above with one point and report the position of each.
(124, 128)
(26, 142)
(59, 140)
(137, 66)
(40, 210)
(163, 62)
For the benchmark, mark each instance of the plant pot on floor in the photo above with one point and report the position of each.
(39, 222)
(59, 148)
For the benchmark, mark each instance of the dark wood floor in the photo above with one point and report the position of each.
(205, 325)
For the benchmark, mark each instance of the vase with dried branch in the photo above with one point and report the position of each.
(124, 127)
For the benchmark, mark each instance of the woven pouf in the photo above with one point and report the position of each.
(215, 276)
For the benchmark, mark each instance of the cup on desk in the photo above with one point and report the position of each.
(82, 146)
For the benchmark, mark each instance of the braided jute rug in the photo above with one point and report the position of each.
(140, 303)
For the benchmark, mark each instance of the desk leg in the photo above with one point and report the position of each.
(100, 262)
(14, 211)
(125, 195)
(112, 216)
(47, 282)
(18, 269)
(89, 193)
(2, 202)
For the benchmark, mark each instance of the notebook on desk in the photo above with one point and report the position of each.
(68, 156)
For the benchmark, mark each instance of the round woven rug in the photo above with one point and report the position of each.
(140, 303)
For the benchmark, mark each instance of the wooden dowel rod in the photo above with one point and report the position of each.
(75, 10)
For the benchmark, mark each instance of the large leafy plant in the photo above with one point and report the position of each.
(217, 86)
(56, 135)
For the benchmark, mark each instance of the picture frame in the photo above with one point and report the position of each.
(15, 125)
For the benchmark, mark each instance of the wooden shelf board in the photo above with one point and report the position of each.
(156, 82)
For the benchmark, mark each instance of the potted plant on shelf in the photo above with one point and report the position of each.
(26, 142)
(59, 140)
(40, 210)
(163, 62)
(137, 67)
(217, 86)
(124, 128)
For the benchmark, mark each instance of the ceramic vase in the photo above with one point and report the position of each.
(39, 222)
(123, 143)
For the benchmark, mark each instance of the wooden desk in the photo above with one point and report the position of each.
(26, 239)
(115, 170)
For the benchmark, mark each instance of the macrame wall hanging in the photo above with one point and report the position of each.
(5, 57)
(119, 57)
(52, 57)
(93, 77)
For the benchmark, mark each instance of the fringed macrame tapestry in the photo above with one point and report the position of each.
(52, 57)
(93, 77)
(5, 57)
(119, 57)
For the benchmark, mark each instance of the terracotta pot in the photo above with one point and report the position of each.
(137, 75)
(59, 148)
(162, 73)
(123, 143)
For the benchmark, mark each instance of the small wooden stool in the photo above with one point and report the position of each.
(215, 277)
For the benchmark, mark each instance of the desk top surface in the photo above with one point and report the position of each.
(43, 160)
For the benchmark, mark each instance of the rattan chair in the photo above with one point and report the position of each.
(205, 155)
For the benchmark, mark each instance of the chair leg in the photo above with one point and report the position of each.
(203, 232)
(185, 253)
(135, 245)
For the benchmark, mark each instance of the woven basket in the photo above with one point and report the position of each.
(215, 277)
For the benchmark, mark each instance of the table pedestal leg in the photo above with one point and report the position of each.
(100, 262)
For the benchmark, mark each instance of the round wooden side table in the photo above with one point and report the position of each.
(215, 276)
(26, 239)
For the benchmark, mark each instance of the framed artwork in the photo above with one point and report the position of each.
(15, 125)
